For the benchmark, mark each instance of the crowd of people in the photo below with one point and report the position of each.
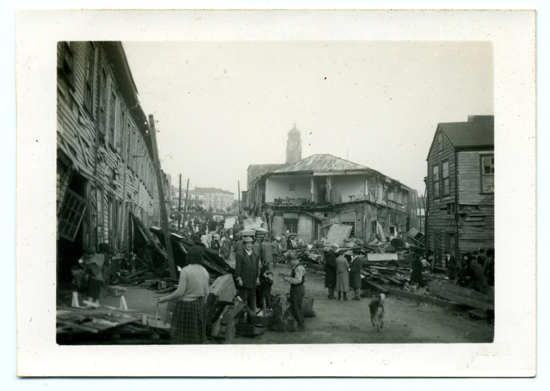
(255, 258)
(342, 272)
(475, 270)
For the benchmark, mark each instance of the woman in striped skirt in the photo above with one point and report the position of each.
(188, 322)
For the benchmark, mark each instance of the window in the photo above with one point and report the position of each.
(102, 101)
(352, 225)
(89, 87)
(440, 141)
(112, 115)
(122, 126)
(435, 172)
(487, 173)
(66, 62)
(291, 187)
(450, 209)
(291, 226)
(71, 215)
(446, 182)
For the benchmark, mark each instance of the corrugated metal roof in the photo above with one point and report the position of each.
(469, 134)
(321, 163)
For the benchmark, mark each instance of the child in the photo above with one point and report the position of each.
(264, 289)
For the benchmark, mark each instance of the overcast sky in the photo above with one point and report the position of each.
(222, 106)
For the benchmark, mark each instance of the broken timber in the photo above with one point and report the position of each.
(162, 204)
(461, 295)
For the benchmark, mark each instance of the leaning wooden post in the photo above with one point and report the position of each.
(185, 206)
(164, 215)
(179, 207)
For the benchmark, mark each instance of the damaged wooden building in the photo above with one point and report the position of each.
(104, 154)
(460, 187)
(303, 198)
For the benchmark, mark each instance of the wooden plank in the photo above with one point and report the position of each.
(372, 285)
(461, 295)
(77, 326)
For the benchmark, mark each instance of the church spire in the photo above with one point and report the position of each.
(293, 146)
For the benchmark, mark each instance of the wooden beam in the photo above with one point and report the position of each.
(164, 215)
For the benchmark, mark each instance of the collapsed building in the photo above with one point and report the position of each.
(304, 197)
(104, 154)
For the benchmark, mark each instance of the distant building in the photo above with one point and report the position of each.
(194, 198)
(217, 199)
(460, 184)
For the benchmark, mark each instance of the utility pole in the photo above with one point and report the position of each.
(164, 215)
(186, 205)
(239, 195)
(179, 207)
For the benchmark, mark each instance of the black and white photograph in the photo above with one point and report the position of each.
(262, 193)
(275, 193)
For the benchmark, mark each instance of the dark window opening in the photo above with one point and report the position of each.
(66, 66)
(446, 181)
(435, 171)
(487, 173)
(352, 225)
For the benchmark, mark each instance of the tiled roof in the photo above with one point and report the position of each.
(321, 163)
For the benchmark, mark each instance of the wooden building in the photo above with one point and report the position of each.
(104, 154)
(460, 187)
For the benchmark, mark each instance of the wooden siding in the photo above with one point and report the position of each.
(441, 220)
(76, 131)
(476, 211)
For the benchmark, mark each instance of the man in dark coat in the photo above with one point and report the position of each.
(355, 276)
(450, 263)
(247, 273)
(479, 283)
(330, 270)
(416, 274)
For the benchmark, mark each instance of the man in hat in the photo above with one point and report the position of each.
(247, 273)
(330, 270)
(297, 279)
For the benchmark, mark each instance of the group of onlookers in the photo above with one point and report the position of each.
(474, 270)
(342, 272)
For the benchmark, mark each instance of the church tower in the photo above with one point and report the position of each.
(293, 146)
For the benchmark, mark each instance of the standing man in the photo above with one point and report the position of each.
(450, 262)
(342, 277)
(355, 275)
(239, 245)
(330, 270)
(267, 250)
(297, 279)
(247, 272)
(276, 250)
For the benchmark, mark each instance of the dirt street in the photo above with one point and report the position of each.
(405, 321)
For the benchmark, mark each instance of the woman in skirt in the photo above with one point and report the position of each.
(188, 322)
